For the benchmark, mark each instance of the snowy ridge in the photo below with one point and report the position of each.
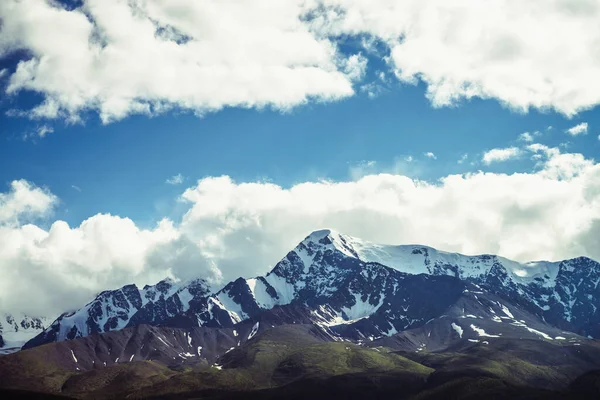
(129, 305)
(419, 259)
(18, 328)
(310, 268)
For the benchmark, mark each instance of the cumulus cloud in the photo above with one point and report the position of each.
(175, 180)
(203, 56)
(429, 154)
(213, 54)
(579, 129)
(498, 155)
(236, 229)
(25, 202)
(505, 50)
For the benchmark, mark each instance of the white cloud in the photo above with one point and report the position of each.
(25, 202)
(505, 50)
(203, 56)
(39, 132)
(75, 187)
(175, 180)
(528, 137)
(355, 66)
(498, 155)
(558, 165)
(44, 130)
(242, 229)
(430, 155)
(212, 54)
(463, 158)
(579, 129)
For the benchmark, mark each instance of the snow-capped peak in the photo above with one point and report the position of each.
(420, 259)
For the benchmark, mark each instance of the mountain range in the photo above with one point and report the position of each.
(353, 288)
(408, 301)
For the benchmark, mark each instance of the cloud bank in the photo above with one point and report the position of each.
(243, 228)
(118, 58)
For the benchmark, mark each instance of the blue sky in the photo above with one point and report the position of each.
(396, 121)
(122, 168)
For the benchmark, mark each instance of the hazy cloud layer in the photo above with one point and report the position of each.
(242, 229)
(119, 58)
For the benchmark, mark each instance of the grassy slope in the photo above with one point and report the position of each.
(32, 370)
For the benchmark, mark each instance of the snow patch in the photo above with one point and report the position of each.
(73, 355)
(162, 340)
(481, 332)
(458, 329)
(507, 311)
(253, 331)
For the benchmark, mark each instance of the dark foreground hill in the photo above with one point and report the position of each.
(298, 361)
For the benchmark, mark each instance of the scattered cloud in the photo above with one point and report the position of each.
(499, 155)
(212, 54)
(430, 155)
(408, 159)
(44, 130)
(373, 89)
(579, 129)
(355, 66)
(463, 158)
(76, 188)
(38, 133)
(529, 137)
(175, 180)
